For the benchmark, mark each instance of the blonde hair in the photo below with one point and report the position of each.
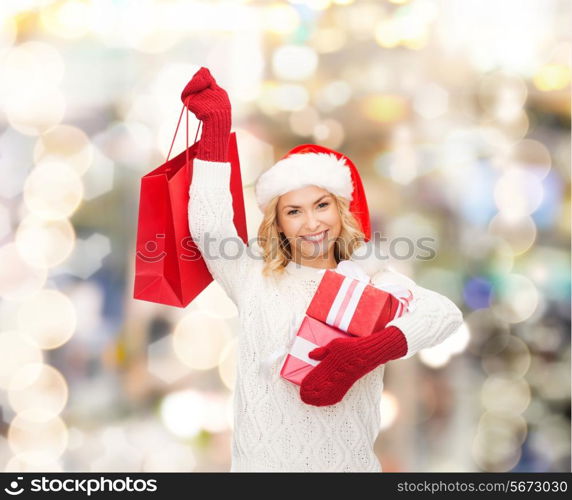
(275, 246)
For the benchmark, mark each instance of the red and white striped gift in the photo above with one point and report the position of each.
(347, 300)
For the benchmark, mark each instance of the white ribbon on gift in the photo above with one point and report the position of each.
(350, 292)
(301, 348)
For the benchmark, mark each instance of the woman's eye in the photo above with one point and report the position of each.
(292, 211)
(325, 203)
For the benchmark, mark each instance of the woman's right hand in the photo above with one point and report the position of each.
(203, 97)
(211, 105)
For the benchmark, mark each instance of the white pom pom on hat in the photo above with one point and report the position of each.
(314, 165)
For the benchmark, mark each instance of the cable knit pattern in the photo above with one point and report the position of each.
(274, 430)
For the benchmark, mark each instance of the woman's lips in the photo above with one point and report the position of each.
(315, 239)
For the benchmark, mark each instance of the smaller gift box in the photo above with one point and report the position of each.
(311, 334)
(345, 299)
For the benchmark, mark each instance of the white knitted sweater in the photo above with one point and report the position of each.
(274, 430)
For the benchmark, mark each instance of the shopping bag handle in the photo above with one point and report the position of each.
(187, 134)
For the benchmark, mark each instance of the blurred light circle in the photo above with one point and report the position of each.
(431, 101)
(439, 355)
(552, 77)
(76, 438)
(502, 94)
(48, 318)
(493, 332)
(68, 19)
(32, 432)
(388, 409)
(45, 244)
(290, 97)
(385, 108)
(33, 462)
(214, 419)
(433, 357)
(302, 122)
(38, 386)
(515, 298)
(227, 364)
(229, 411)
(501, 260)
(65, 142)
(532, 156)
(53, 190)
(512, 361)
(517, 127)
(318, 4)
(444, 281)
(477, 292)
(129, 143)
(329, 133)
(28, 68)
(267, 100)
(518, 193)
(504, 427)
(5, 224)
(182, 413)
(333, 95)
(280, 19)
(504, 395)
(294, 62)
(552, 381)
(552, 437)
(155, 41)
(404, 233)
(536, 411)
(16, 351)
(8, 31)
(495, 451)
(328, 39)
(18, 279)
(32, 113)
(519, 233)
(155, 29)
(387, 33)
(215, 302)
(171, 457)
(199, 340)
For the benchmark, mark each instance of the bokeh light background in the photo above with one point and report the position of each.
(457, 113)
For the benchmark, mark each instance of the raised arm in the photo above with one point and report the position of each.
(210, 201)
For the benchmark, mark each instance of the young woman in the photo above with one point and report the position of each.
(314, 219)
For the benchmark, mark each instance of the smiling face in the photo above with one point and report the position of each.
(310, 220)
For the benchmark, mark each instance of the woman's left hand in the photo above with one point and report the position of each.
(345, 360)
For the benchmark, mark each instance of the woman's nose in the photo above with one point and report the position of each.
(312, 222)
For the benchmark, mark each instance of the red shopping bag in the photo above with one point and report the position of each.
(169, 268)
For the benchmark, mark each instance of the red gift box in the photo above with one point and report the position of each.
(311, 334)
(352, 305)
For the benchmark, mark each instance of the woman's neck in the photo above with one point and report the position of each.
(316, 263)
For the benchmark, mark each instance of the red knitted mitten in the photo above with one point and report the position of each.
(211, 105)
(345, 360)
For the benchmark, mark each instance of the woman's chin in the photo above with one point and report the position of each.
(316, 251)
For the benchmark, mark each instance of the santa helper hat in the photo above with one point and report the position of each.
(313, 165)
